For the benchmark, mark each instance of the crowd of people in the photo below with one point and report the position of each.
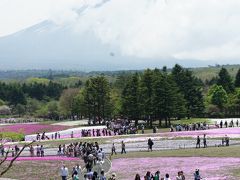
(190, 127)
(83, 133)
(157, 176)
(38, 151)
(12, 150)
(91, 154)
(226, 124)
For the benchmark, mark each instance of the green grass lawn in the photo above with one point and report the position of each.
(39, 170)
(231, 151)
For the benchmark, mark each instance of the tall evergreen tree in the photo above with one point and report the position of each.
(130, 98)
(191, 88)
(145, 95)
(225, 80)
(97, 97)
(237, 80)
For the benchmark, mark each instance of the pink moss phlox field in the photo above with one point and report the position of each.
(32, 128)
(46, 158)
(210, 168)
(212, 133)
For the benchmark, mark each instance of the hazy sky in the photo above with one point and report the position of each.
(181, 29)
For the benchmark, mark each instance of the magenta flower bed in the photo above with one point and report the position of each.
(47, 158)
(32, 128)
(210, 168)
(231, 132)
(211, 133)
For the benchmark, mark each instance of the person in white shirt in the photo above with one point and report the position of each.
(64, 172)
(78, 169)
(167, 177)
(103, 154)
(99, 155)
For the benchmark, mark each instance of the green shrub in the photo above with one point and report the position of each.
(12, 135)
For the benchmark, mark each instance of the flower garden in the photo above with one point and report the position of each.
(27, 129)
(215, 163)
(213, 168)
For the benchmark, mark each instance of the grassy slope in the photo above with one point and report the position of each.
(210, 72)
(38, 170)
(231, 151)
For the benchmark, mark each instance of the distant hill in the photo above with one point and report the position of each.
(209, 72)
(203, 73)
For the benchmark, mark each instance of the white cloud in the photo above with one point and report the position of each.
(182, 29)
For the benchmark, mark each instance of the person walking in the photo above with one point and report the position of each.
(31, 151)
(150, 144)
(64, 172)
(221, 124)
(123, 148)
(142, 129)
(198, 142)
(102, 176)
(38, 151)
(113, 149)
(204, 141)
(42, 151)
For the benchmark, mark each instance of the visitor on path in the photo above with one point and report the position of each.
(123, 148)
(157, 176)
(237, 123)
(167, 177)
(99, 167)
(2, 149)
(150, 144)
(226, 124)
(148, 176)
(103, 154)
(204, 141)
(197, 175)
(154, 129)
(180, 176)
(38, 151)
(137, 177)
(31, 151)
(42, 151)
(198, 142)
(16, 149)
(73, 171)
(64, 172)
(13, 154)
(113, 149)
(221, 124)
(114, 177)
(90, 174)
(102, 176)
(79, 170)
(227, 140)
(142, 126)
(60, 150)
(75, 176)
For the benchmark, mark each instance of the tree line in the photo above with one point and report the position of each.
(153, 95)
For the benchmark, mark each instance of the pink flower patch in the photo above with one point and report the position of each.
(32, 128)
(210, 168)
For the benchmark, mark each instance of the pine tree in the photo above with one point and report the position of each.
(130, 98)
(225, 80)
(237, 80)
(191, 88)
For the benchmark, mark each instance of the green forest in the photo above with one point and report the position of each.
(153, 95)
